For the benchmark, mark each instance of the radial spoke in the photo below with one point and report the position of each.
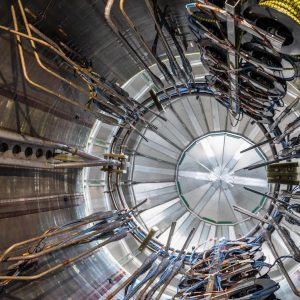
(238, 216)
(196, 175)
(182, 123)
(157, 147)
(191, 114)
(205, 198)
(199, 163)
(169, 141)
(250, 181)
(155, 159)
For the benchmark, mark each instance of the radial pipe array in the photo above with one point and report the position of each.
(250, 69)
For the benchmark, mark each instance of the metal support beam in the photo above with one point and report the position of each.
(233, 7)
(27, 139)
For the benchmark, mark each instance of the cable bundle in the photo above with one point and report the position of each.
(289, 7)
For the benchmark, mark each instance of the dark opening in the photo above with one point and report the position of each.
(49, 154)
(3, 147)
(16, 149)
(28, 151)
(39, 153)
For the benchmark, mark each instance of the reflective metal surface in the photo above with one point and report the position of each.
(33, 200)
(210, 175)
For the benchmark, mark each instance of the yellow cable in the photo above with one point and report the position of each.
(199, 18)
(290, 8)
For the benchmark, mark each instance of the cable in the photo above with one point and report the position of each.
(279, 258)
(288, 7)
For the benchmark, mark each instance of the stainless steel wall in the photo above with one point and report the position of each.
(32, 200)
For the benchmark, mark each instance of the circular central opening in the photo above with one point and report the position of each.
(210, 177)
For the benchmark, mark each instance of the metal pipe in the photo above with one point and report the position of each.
(181, 75)
(74, 65)
(284, 113)
(115, 29)
(47, 234)
(178, 264)
(25, 138)
(105, 228)
(293, 249)
(76, 165)
(270, 162)
(69, 260)
(258, 144)
(56, 166)
(161, 66)
(171, 233)
(267, 237)
(158, 269)
(100, 116)
(37, 57)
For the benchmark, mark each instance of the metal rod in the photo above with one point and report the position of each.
(250, 214)
(171, 233)
(294, 250)
(284, 113)
(116, 30)
(259, 193)
(92, 218)
(160, 65)
(105, 228)
(161, 267)
(69, 260)
(257, 145)
(177, 265)
(149, 109)
(267, 163)
(138, 205)
(29, 164)
(25, 138)
(133, 275)
(100, 116)
(95, 163)
(180, 74)
(280, 263)
(74, 65)
(121, 286)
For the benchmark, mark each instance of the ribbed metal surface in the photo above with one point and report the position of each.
(26, 110)
(210, 177)
(179, 171)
